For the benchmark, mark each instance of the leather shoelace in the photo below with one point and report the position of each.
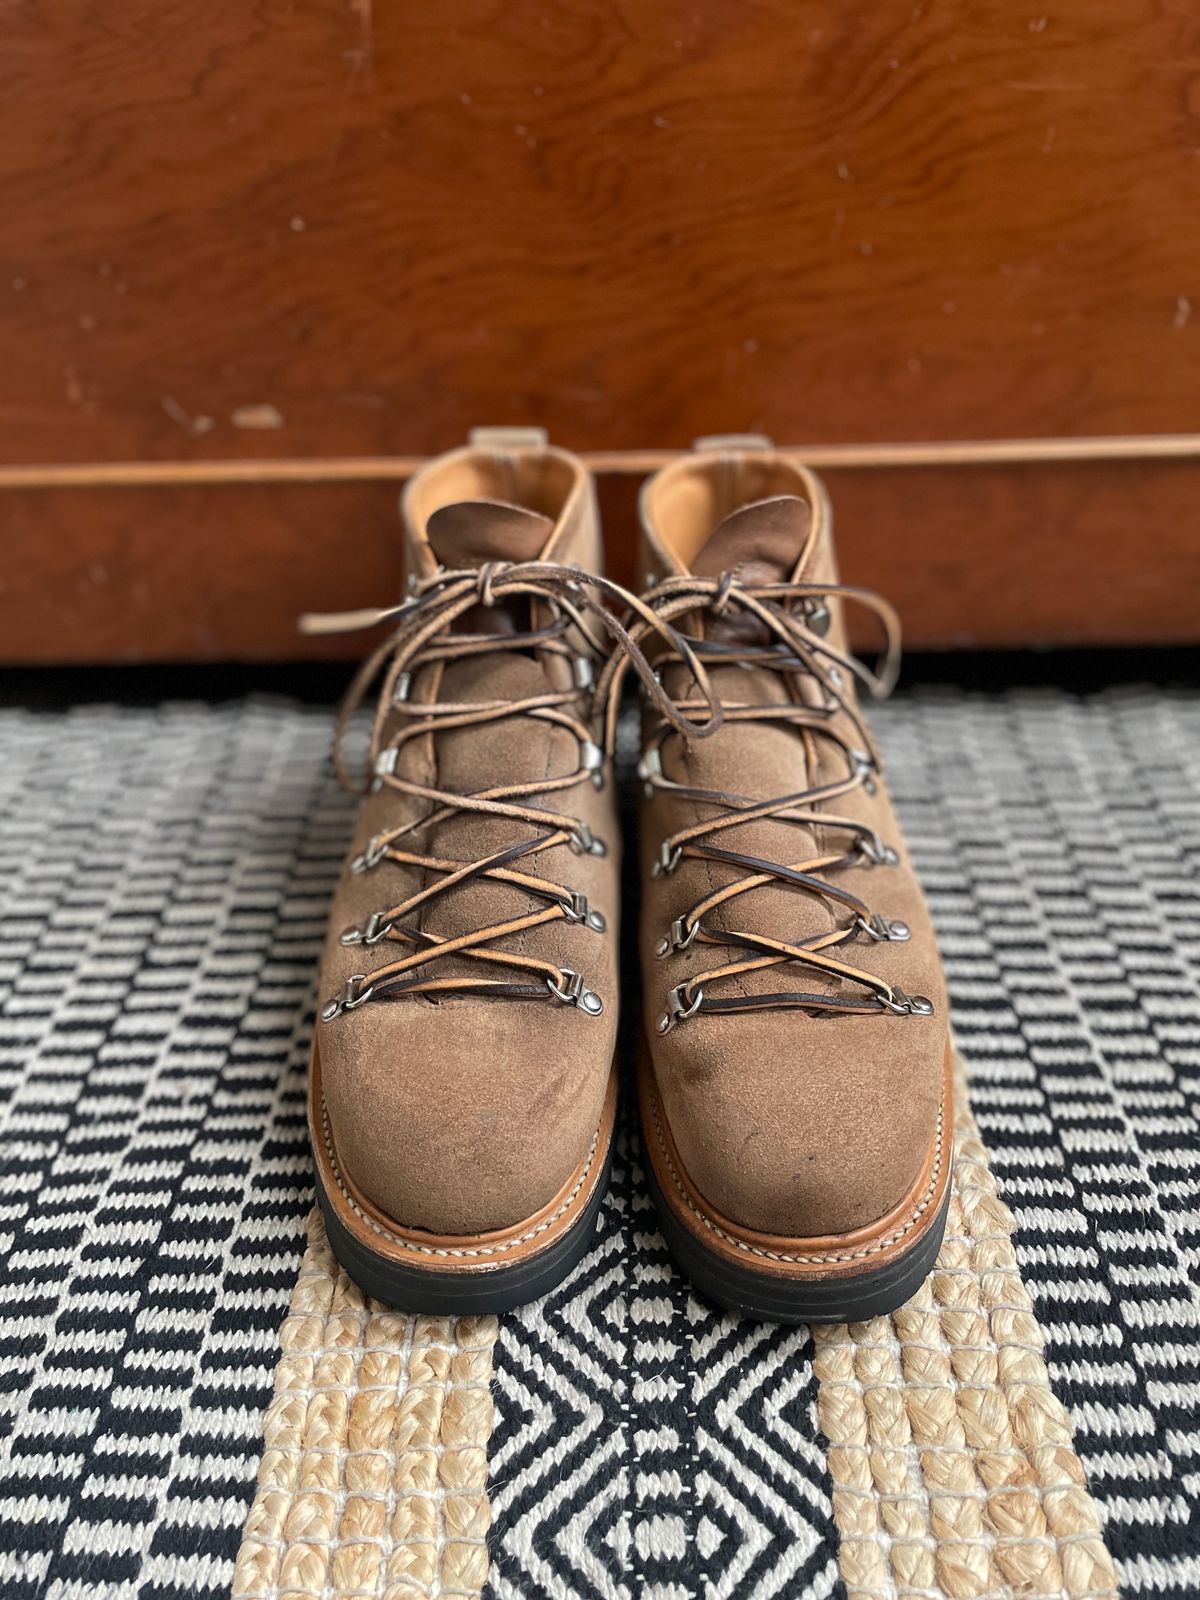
(423, 635)
(795, 617)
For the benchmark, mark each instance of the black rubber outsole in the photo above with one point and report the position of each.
(465, 1293)
(769, 1298)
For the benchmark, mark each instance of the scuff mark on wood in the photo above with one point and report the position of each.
(257, 417)
(193, 426)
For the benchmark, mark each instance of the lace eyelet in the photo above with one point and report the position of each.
(573, 992)
(883, 929)
(876, 853)
(348, 998)
(677, 1009)
(906, 1005)
(678, 939)
(669, 857)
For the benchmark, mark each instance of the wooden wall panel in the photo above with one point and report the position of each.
(316, 227)
(971, 557)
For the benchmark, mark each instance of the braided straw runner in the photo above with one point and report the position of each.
(952, 1465)
(374, 1472)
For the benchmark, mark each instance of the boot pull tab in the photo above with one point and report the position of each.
(505, 439)
(732, 443)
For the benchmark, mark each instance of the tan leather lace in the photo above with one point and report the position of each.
(573, 600)
(795, 617)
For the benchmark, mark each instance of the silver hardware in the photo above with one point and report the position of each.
(863, 767)
(905, 1005)
(679, 938)
(514, 438)
(677, 1010)
(348, 998)
(585, 843)
(385, 765)
(883, 928)
(668, 859)
(375, 928)
(581, 671)
(576, 909)
(649, 767)
(876, 852)
(573, 992)
(370, 857)
(403, 689)
(731, 443)
(591, 759)
(817, 617)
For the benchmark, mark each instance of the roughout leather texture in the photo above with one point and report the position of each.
(464, 1115)
(788, 1122)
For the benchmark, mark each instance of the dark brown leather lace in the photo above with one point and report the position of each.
(573, 600)
(795, 618)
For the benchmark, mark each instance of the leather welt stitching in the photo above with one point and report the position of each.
(795, 1256)
(447, 1251)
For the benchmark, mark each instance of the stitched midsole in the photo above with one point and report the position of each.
(451, 1256)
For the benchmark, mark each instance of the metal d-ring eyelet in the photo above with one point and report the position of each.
(573, 992)
(679, 938)
(863, 768)
(583, 673)
(906, 1005)
(370, 857)
(577, 909)
(585, 843)
(591, 759)
(385, 765)
(677, 1010)
(669, 856)
(817, 617)
(348, 998)
(884, 928)
(375, 928)
(878, 854)
(649, 767)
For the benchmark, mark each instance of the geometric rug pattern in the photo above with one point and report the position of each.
(164, 879)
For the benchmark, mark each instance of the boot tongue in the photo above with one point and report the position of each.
(470, 534)
(473, 532)
(759, 543)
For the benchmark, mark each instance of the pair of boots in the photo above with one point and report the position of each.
(793, 1069)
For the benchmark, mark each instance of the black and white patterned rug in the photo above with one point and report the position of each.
(164, 875)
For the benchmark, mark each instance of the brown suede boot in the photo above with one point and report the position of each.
(795, 1089)
(462, 1087)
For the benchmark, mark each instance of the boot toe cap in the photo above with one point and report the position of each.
(462, 1118)
(807, 1130)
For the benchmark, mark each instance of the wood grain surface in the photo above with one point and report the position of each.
(261, 228)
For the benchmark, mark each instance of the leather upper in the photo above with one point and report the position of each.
(795, 1122)
(457, 1113)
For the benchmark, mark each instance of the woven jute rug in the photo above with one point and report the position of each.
(952, 1466)
(952, 1462)
(193, 1401)
(374, 1470)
